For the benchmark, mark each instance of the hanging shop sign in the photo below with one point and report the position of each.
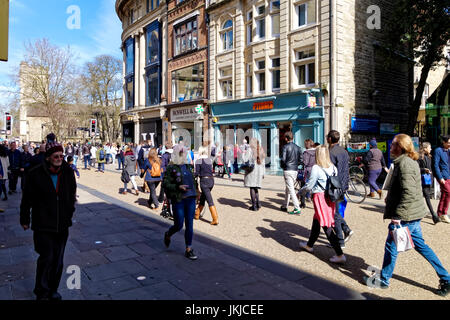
(312, 101)
(358, 147)
(184, 114)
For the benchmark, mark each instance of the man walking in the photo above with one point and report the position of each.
(50, 195)
(86, 155)
(442, 174)
(339, 157)
(290, 161)
(15, 157)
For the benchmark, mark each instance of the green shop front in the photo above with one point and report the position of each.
(270, 118)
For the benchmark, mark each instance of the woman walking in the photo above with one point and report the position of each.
(309, 160)
(425, 164)
(405, 207)
(181, 188)
(152, 169)
(204, 170)
(253, 179)
(374, 160)
(130, 167)
(323, 208)
(4, 168)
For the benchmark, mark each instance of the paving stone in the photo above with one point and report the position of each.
(298, 292)
(166, 291)
(110, 286)
(114, 270)
(256, 291)
(122, 238)
(23, 288)
(85, 259)
(142, 249)
(118, 253)
(134, 294)
(5, 292)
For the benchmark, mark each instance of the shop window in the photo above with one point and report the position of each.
(305, 12)
(152, 46)
(226, 82)
(249, 27)
(186, 37)
(129, 73)
(275, 71)
(129, 59)
(153, 89)
(226, 35)
(188, 83)
(261, 75)
(129, 90)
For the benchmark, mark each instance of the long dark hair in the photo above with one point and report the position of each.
(3, 152)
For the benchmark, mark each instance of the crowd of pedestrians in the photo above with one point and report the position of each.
(186, 185)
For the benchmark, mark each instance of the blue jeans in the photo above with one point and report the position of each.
(101, 166)
(184, 211)
(373, 176)
(390, 253)
(75, 160)
(87, 160)
(120, 162)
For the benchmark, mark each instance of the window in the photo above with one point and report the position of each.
(226, 35)
(153, 89)
(152, 47)
(275, 18)
(305, 67)
(186, 37)
(275, 70)
(249, 26)
(260, 22)
(249, 79)
(274, 6)
(261, 75)
(306, 13)
(226, 82)
(129, 59)
(152, 5)
(130, 16)
(129, 88)
(188, 83)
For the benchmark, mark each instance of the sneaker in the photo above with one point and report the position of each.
(305, 247)
(166, 239)
(444, 288)
(340, 260)
(374, 282)
(190, 255)
(284, 209)
(444, 218)
(348, 235)
(295, 212)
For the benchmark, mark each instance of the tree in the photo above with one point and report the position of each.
(102, 83)
(46, 82)
(423, 27)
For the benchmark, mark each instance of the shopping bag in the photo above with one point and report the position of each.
(402, 238)
(426, 179)
(388, 180)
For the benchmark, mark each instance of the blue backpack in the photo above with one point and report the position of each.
(102, 155)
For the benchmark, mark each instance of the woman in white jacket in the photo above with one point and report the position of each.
(323, 208)
(4, 169)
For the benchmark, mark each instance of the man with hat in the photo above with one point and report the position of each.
(50, 195)
(374, 161)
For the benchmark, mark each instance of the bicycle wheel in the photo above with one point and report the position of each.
(356, 171)
(357, 190)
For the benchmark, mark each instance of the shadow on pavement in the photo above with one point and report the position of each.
(233, 203)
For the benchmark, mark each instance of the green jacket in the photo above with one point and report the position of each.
(98, 156)
(405, 199)
(173, 179)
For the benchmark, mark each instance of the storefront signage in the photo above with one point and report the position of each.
(184, 114)
(389, 128)
(365, 125)
(266, 105)
(358, 147)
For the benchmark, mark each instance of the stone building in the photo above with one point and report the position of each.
(144, 45)
(307, 66)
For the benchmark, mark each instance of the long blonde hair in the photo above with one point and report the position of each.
(405, 143)
(323, 156)
(422, 150)
(153, 156)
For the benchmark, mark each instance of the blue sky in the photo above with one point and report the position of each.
(99, 33)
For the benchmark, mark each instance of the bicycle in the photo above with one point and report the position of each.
(357, 190)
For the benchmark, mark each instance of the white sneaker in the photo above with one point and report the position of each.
(305, 247)
(444, 218)
(341, 260)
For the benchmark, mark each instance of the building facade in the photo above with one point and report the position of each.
(144, 45)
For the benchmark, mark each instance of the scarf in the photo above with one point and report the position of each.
(57, 171)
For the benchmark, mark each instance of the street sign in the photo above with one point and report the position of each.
(4, 28)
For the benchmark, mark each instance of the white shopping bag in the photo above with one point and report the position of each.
(388, 181)
(402, 238)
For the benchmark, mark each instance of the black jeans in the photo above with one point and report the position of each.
(13, 178)
(153, 197)
(206, 185)
(329, 232)
(254, 195)
(426, 190)
(3, 188)
(50, 246)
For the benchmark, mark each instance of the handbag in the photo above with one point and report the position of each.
(248, 167)
(125, 177)
(426, 179)
(402, 238)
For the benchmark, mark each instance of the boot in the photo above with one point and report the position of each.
(372, 195)
(214, 216)
(198, 211)
(380, 193)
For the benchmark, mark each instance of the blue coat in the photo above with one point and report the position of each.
(148, 168)
(15, 159)
(441, 169)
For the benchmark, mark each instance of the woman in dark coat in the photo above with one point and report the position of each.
(152, 180)
(425, 165)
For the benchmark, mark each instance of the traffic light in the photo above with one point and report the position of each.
(93, 127)
(8, 124)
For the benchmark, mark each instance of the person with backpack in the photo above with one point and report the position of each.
(152, 169)
(86, 151)
(165, 160)
(324, 207)
(129, 170)
(405, 207)
(426, 164)
(442, 173)
(101, 159)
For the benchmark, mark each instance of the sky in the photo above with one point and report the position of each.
(99, 31)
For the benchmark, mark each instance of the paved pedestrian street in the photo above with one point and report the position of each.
(117, 242)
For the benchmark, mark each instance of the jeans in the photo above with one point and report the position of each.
(101, 166)
(153, 197)
(445, 199)
(87, 160)
(120, 162)
(373, 176)
(340, 226)
(184, 211)
(390, 252)
(75, 160)
(289, 178)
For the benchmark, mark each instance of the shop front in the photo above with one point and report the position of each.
(268, 119)
(128, 131)
(151, 130)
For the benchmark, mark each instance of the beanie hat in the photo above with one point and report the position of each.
(52, 147)
(373, 143)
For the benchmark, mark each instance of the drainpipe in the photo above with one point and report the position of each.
(331, 91)
(208, 79)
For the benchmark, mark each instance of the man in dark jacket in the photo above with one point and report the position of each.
(339, 157)
(50, 194)
(15, 157)
(442, 174)
(165, 160)
(291, 159)
(25, 163)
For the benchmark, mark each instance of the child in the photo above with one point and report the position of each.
(74, 168)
